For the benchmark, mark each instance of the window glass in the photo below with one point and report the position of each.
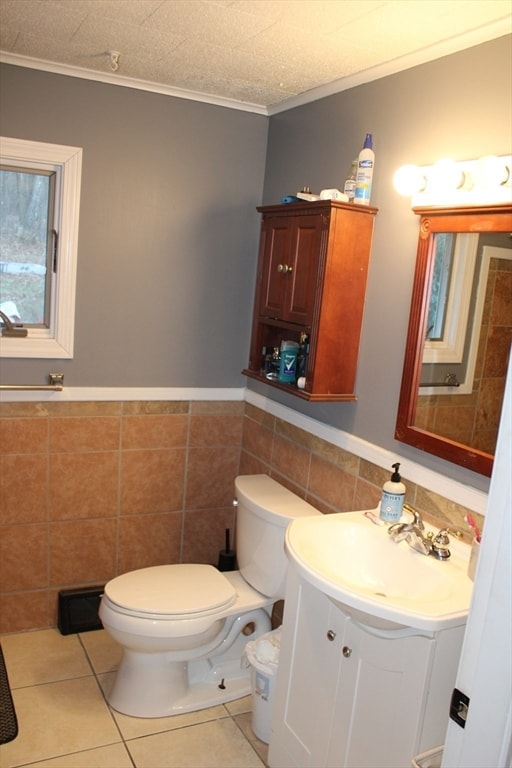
(27, 244)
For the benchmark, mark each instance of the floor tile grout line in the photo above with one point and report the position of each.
(49, 682)
(38, 761)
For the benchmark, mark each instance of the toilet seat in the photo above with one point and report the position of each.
(171, 592)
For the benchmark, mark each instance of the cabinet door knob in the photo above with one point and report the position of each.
(346, 651)
(331, 635)
(284, 268)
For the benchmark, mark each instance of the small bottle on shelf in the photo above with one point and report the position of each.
(302, 359)
(349, 187)
(274, 363)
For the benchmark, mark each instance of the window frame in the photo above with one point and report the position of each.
(57, 341)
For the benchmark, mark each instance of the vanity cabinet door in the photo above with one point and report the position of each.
(380, 698)
(307, 678)
(291, 261)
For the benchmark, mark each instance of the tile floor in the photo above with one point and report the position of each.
(58, 685)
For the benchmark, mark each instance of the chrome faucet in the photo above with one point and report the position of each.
(414, 534)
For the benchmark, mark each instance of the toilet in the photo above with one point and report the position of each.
(184, 627)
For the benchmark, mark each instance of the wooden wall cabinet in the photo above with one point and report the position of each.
(312, 271)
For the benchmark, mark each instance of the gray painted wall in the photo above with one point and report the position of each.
(459, 107)
(168, 231)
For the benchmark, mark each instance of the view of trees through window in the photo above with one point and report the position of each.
(440, 286)
(26, 243)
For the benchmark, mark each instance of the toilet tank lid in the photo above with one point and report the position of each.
(181, 589)
(271, 500)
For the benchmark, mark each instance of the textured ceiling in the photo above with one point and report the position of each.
(264, 54)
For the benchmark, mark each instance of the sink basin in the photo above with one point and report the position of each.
(357, 564)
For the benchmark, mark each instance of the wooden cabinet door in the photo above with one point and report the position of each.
(277, 232)
(290, 275)
(305, 278)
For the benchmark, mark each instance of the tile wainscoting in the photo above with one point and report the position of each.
(89, 490)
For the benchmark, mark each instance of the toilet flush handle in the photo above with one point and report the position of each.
(235, 503)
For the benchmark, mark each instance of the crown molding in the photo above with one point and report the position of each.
(113, 78)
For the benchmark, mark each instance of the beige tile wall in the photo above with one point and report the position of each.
(331, 479)
(91, 490)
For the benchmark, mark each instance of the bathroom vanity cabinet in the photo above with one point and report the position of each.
(311, 280)
(350, 693)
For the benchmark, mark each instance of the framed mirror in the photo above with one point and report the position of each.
(460, 334)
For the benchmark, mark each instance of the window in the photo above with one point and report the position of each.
(39, 209)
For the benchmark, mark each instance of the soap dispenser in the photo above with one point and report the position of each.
(393, 497)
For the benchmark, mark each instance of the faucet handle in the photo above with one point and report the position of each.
(417, 521)
(443, 534)
(440, 542)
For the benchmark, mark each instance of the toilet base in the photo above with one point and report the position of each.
(186, 687)
(152, 685)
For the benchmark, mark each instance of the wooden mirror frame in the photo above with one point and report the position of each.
(492, 218)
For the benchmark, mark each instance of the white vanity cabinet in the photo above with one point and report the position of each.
(350, 695)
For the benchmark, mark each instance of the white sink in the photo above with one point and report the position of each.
(357, 564)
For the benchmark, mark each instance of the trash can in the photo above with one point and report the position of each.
(263, 657)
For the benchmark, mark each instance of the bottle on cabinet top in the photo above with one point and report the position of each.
(349, 187)
(365, 165)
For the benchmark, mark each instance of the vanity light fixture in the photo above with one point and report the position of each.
(447, 182)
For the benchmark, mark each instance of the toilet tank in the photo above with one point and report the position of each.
(265, 509)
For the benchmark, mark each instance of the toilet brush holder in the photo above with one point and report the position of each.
(227, 557)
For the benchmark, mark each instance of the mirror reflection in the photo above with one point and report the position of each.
(467, 339)
(460, 333)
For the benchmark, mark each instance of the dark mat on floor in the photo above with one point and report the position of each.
(8, 721)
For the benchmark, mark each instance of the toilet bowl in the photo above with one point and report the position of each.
(184, 627)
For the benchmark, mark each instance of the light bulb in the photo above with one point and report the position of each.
(491, 171)
(409, 180)
(446, 176)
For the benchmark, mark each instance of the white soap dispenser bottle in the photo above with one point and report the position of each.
(393, 497)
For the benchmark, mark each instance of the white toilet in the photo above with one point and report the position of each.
(184, 627)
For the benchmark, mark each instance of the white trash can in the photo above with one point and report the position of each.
(263, 657)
